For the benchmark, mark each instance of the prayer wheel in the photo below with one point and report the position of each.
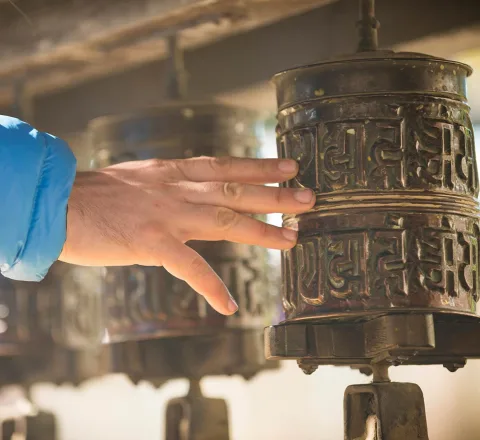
(146, 303)
(385, 271)
(388, 149)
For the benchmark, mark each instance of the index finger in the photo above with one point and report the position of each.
(236, 169)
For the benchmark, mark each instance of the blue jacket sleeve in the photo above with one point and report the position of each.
(37, 171)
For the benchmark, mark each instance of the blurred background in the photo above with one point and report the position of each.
(64, 63)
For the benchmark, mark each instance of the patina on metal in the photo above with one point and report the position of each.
(386, 267)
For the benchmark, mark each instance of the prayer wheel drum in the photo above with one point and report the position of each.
(385, 141)
(18, 326)
(21, 338)
(146, 304)
(59, 325)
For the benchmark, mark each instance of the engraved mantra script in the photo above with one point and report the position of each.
(389, 263)
(383, 154)
(139, 295)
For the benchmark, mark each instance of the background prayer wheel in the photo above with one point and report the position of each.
(158, 327)
(147, 302)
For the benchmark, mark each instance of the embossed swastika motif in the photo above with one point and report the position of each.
(142, 299)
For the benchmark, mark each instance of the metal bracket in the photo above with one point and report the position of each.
(195, 417)
(385, 411)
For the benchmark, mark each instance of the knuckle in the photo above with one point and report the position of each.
(232, 190)
(221, 163)
(263, 228)
(198, 267)
(264, 166)
(225, 218)
(155, 163)
(175, 169)
(279, 192)
(152, 232)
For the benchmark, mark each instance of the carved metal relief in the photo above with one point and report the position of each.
(151, 302)
(410, 145)
(395, 223)
(417, 260)
(71, 305)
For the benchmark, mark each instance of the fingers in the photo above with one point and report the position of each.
(217, 223)
(248, 198)
(185, 264)
(233, 169)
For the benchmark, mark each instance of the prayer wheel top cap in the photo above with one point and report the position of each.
(372, 73)
(175, 125)
(181, 112)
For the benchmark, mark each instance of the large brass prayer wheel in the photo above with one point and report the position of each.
(386, 142)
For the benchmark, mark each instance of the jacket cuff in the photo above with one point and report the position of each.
(48, 223)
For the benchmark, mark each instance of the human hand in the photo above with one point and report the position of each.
(144, 212)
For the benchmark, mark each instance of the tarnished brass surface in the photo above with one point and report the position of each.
(386, 142)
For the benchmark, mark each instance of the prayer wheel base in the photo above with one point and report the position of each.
(398, 339)
(230, 352)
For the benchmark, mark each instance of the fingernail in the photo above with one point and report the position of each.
(303, 195)
(287, 166)
(289, 234)
(232, 306)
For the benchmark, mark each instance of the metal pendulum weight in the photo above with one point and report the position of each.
(386, 268)
(158, 327)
